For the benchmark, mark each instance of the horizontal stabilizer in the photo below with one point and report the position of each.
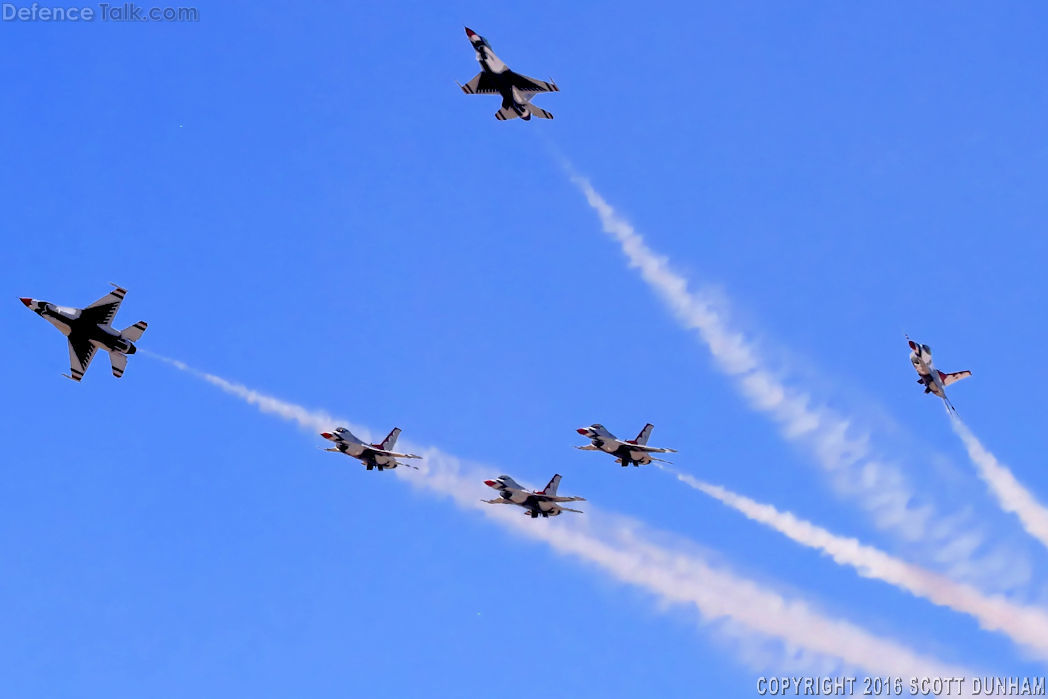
(537, 111)
(119, 361)
(134, 332)
(506, 113)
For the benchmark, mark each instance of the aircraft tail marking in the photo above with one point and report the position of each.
(551, 487)
(642, 438)
(391, 440)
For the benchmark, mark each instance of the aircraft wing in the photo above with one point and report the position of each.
(80, 354)
(526, 84)
(395, 455)
(956, 376)
(650, 450)
(104, 309)
(482, 83)
(557, 498)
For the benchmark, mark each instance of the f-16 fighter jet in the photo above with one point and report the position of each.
(89, 329)
(634, 451)
(371, 455)
(540, 502)
(495, 78)
(933, 380)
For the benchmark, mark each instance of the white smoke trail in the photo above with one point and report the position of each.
(626, 551)
(1010, 493)
(847, 457)
(1027, 626)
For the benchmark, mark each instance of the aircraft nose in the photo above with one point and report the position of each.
(491, 484)
(325, 435)
(913, 345)
(26, 301)
(584, 431)
(470, 33)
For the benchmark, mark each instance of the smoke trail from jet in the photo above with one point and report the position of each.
(1027, 626)
(854, 468)
(627, 551)
(1010, 493)
(306, 419)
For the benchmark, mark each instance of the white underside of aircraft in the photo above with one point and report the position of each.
(933, 380)
(380, 456)
(635, 451)
(536, 503)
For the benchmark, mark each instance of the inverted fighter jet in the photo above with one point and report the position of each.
(634, 451)
(539, 502)
(495, 78)
(371, 455)
(89, 329)
(933, 380)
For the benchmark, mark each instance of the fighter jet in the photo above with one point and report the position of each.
(495, 78)
(933, 380)
(634, 451)
(540, 502)
(89, 329)
(371, 455)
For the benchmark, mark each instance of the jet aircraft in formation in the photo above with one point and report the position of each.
(933, 380)
(380, 456)
(543, 502)
(633, 451)
(495, 78)
(90, 329)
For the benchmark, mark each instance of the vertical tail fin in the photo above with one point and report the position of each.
(134, 332)
(551, 487)
(391, 440)
(642, 438)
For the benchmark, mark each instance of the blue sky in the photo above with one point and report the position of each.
(301, 200)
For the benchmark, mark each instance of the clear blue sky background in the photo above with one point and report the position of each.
(298, 197)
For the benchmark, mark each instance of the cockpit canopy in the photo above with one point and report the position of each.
(507, 482)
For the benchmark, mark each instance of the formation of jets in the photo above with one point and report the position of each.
(90, 328)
